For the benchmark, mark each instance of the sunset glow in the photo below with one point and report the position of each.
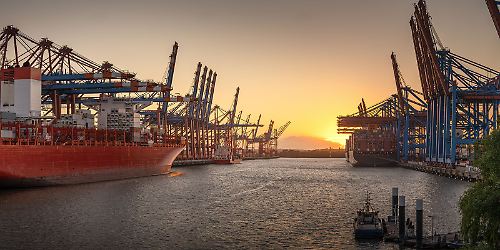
(293, 60)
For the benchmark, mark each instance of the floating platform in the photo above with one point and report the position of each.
(193, 162)
(440, 241)
(178, 163)
(261, 157)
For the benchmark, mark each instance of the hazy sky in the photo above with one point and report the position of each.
(306, 61)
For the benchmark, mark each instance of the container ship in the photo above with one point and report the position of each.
(371, 148)
(78, 147)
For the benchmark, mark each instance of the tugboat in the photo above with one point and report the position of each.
(367, 224)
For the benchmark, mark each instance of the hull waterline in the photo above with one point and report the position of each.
(36, 165)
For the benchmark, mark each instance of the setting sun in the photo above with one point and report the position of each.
(338, 138)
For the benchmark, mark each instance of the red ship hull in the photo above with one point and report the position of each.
(40, 165)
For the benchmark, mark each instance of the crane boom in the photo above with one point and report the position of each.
(256, 128)
(269, 130)
(399, 84)
(233, 108)
(194, 93)
(168, 82)
(211, 97)
(208, 88)
(363, 106)
(171, 66)
(282, 129)
(495, 13)
(198, 108)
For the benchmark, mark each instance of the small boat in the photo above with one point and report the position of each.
(367, 224)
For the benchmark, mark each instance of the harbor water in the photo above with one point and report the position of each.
(296, 203)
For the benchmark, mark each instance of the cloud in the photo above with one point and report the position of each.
(306, 142)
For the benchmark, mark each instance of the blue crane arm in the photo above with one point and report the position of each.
(195, 88)
(201, 93)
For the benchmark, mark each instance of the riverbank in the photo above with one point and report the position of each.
(316, 153)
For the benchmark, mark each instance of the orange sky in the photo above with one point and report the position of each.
(304, 61)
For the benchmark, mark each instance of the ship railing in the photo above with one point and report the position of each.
(36, 134)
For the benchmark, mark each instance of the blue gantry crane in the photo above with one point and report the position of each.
(411, 118)
(73, 82)
(462, 96)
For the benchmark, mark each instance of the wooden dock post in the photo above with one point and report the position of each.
(402, 216)
(419, 218)
(394, 203)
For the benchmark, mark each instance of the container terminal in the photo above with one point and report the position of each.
(67, 119)
(434, 129)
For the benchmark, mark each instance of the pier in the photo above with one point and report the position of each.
(401, 230)
(434, 129)
(466, 173)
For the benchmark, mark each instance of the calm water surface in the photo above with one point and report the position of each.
(295, 203)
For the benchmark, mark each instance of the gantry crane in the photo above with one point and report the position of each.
(411, 118)
(265, 139)
(275, 136)
(462, 98)
(381, 115)
(71, 81)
